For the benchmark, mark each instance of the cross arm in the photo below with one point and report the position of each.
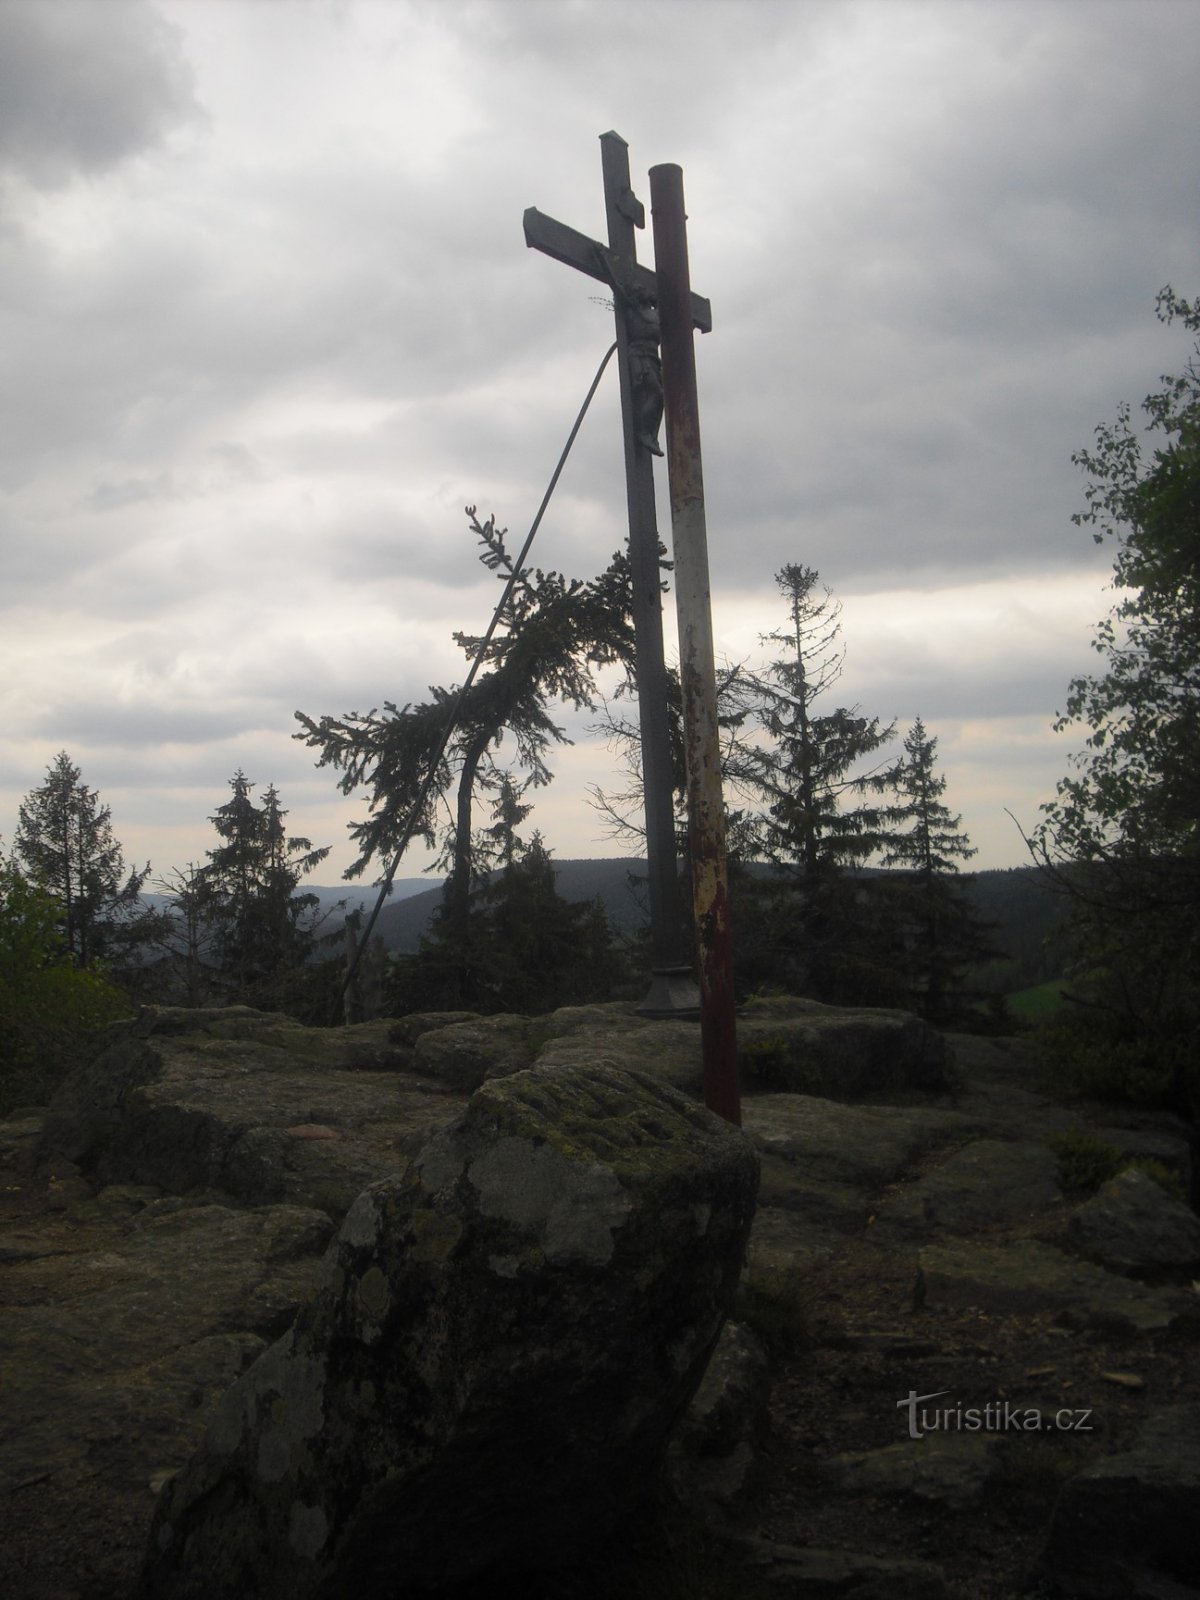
(575, 249)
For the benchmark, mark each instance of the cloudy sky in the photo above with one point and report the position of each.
(269, 323)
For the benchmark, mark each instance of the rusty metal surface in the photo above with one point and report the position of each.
(697, 666)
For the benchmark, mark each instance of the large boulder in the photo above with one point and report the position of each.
(840, 1052)
(1133, 1225)
(503, 1339)
(470, 1050)
(1126, 1528)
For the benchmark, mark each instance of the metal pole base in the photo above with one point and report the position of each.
(673, 993)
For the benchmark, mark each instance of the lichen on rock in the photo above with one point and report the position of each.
(513, 1324)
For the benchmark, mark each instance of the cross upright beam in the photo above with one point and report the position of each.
(616, 266)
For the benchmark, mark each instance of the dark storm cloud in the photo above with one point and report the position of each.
(84, 86)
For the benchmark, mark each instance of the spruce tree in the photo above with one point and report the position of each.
(820, 811)
(819, 814)
(940, 935)
(263, 931)
(552, 633)
(527, 949)
(188, 936)
(65, 842)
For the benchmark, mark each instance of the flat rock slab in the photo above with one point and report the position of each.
(951, 1469)
(797, 1572)
(1127, 1528)
(795, 1046)
(830, 1161)
(669, 1050)
(503, 1340)
(123, 1348)
(1133, 1225)
(986, 1183)
(783, 1240)
(1030, 1276)
(246, 1104)
(264, 1111)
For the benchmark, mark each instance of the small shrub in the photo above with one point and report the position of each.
(777, 1304)
(1036, 1004)
(1085, 1055)
(1163, 1176)
(50, 1011)
(1084, 1162)
(766, 1064)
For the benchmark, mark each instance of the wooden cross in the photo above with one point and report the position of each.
(616, 266)
(603, 262)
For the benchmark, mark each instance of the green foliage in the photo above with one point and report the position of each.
(765, 1064)
(777, 1302)
(1086, 1053)
(65, 842)
(816, 814)
(938, 936)
(809, 774)
(1085, 1162)
(1162, 1175)
(1036, 1004)
(259, 934)
(1122, 836)
(553, 631)
(50, 1009)
(1028, 917)
(526, 949)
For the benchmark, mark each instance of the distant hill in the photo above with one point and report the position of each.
(1017, 900)
(1025, 912)
(408, 910)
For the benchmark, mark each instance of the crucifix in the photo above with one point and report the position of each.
(649, 306)
(634, 290)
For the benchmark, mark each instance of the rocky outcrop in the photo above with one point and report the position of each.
(473, 1049)
(162, 1228)
(1027, 1275)
(251, 1107)
(1126, 1528)
(986, 1182)
(945, 1469)
(841, 1053)
(503, 1339)
(247, 1106)
(1133, 1225)
(122, 1317)
(714, 1449)
(803, 1573)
